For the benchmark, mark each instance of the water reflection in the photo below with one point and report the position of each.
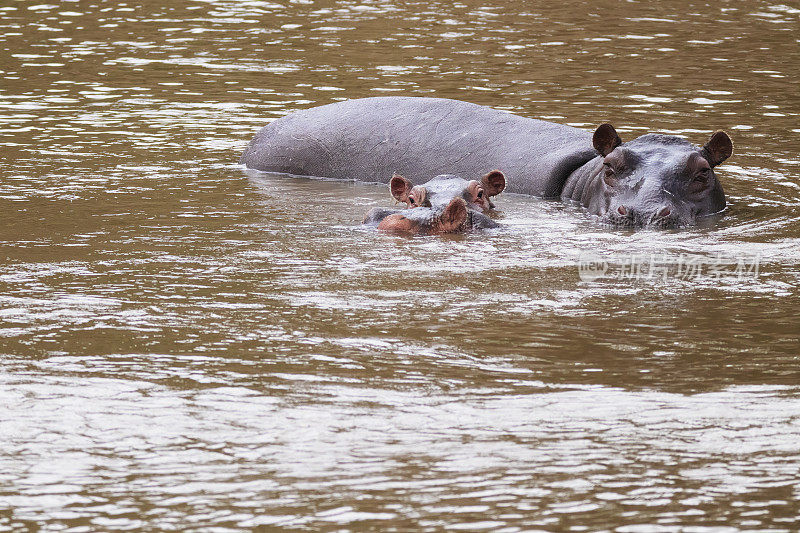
(648, 453)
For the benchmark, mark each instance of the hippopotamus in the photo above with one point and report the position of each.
(654, 180)
(444, 204)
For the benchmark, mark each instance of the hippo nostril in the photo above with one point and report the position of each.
(664, 212)
(622, 210)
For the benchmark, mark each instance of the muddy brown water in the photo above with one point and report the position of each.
(188, 345)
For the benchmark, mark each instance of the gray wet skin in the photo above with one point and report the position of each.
(654, 180)
(444, 204)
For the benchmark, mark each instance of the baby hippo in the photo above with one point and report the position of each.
(445, 204)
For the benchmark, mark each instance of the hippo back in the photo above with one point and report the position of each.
(370, 139)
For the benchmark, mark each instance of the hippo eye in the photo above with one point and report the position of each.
(702, 176)
(701, 181)
(480, 193)
(609, 177)
(411, 201)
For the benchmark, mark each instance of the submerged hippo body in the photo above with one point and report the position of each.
(658, 180)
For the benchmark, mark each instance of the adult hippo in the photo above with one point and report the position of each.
(653, 180)
(445, 204)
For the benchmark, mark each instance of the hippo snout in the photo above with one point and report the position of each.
(451, 218)
(663, 216)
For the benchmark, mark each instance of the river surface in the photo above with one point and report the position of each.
(189, 345)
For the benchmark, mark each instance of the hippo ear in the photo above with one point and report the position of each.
(605, 139)
(494, 182)
(453, 217)
(400, 187)
(717, 149)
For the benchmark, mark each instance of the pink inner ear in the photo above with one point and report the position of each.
(400, 187)
(494, 182)
(454, 216)
(718, 149)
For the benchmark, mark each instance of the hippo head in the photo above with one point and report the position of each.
(657, 180)
(445, 204)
